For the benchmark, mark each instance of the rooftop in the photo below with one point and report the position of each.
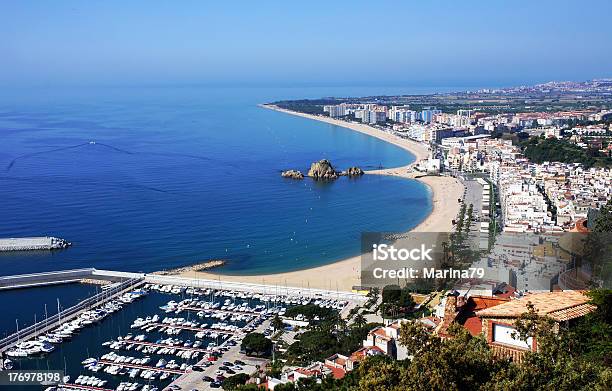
(560, 306)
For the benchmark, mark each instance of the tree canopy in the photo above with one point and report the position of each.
(256, 344)
(233, 382)
(539, 150)
(570, 358)
(396, 301)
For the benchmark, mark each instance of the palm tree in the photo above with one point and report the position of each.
(359, 321)
(277, 323)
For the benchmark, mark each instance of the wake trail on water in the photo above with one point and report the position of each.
(111, 147)
(29, 155)
(116, 149)
(121, 150)
(120, 185)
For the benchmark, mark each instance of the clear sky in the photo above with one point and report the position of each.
(440, 43)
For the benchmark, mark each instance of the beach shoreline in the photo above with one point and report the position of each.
(344, 274)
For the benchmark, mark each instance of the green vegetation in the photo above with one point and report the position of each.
(322, 342)
(576, 358)
(396, 302)
(256, 344)
(494, 227)
(540, 149)
(233, 382)
(457, 252)
(488, 103)
(277, 323)
(598, 247)
(372, 297)
(359, 321)
(306, 384)
(308, 106)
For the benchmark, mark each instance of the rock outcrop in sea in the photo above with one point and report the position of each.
(322, 170)
(292, 174)
(354, 171)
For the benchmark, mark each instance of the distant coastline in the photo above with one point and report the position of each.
(419, 151)
(345, 274)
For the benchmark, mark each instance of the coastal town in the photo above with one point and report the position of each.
(516, 153)
(306, 196)
(533, 221)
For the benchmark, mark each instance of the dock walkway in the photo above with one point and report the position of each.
(164, 345)
(173, 326)
(139, 366)
(69, 314)
(198, 309)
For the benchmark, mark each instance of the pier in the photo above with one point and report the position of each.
(163, 345)
(197, 309)
(69, 314)
(77, 275)
(271, 290)
(63, 277)
(176, 326)
(33, 243)
(139, 366)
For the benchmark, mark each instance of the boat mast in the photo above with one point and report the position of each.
(59, 313)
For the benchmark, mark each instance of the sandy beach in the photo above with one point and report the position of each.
(345, 274)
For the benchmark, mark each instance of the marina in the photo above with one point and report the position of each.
(65, 323)
(144, 334)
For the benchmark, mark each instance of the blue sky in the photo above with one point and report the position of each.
(444, 43)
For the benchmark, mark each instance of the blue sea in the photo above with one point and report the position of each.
(143, 179)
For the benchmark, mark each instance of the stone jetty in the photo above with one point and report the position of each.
(33, 243)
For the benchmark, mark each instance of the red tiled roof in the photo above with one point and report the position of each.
(380, 333)
(361, 353)
(473, 324)
(482, 302)
(468, 318)
(573, 312)
(560, 306)
(337, 373)
(306, 372)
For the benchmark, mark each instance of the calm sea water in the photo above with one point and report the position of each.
(183, 175)
(22, 307)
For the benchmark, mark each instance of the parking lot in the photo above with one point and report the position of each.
(224, 367)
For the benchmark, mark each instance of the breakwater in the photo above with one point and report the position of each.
(33, 243)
